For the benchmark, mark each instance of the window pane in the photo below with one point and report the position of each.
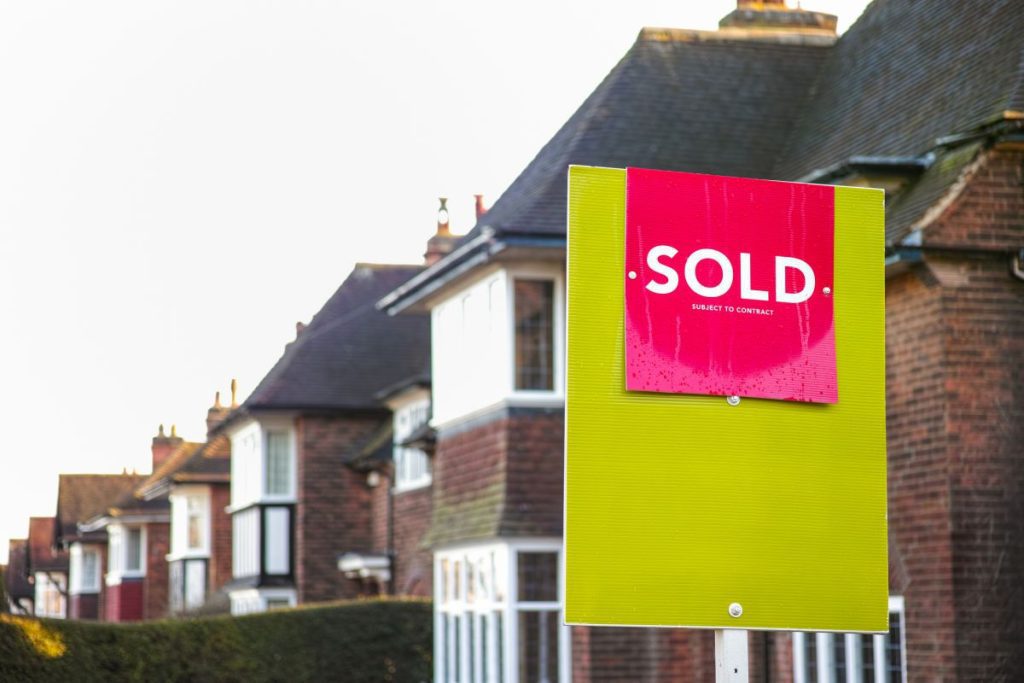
(839, 657)
(195, 521)
(893, 653)
(538, 647)
(538, 577)
(278, 464)
(176, 579)
(534, 311)
(90, 570)
(867, 659)
(811, 656)
(133, 550)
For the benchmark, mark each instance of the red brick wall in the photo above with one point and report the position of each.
(84, 606)
(603, 655)
(468, 482)
(956, 422)
(534, 471)
(155, 605)
(380, 498)
(989, 213)
(413, 560)
(333, 511)
(124, 602)
(220, 541)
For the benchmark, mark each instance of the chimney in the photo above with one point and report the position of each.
(164, 445)
(234, 393)
(480, 210)
(215, 415)
(754, 17)
(443, 241)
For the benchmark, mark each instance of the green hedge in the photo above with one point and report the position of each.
(378, 640)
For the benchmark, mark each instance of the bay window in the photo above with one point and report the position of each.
(500, 340)
(853, 657)
(263, 462)
(498, 615)
(190, 521)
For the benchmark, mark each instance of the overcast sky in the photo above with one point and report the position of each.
(180, 182)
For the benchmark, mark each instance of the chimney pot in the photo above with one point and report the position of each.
(480, 209)
(234, 393)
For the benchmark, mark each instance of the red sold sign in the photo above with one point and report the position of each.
(729, 287)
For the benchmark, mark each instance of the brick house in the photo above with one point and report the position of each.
(81, 497)
(20, 592)
(306, 448)
(922, 99)
(138, 542)
(46, 569)
(196, 484)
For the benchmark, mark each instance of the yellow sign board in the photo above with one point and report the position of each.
(700, 511)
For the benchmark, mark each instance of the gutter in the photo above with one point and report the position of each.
(393, 302)
(478, 252)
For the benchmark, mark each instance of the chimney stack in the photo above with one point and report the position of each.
(215, 415)
(443, 241)
(164, 445)
(774, 16)
(480, 210)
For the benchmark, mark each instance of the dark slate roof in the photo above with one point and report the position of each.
(350, 350)
(41, 540)
(211, 462)
(678, 100)
(16, 574)
(80, 497)
(907, 73)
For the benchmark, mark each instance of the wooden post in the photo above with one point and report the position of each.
(731, 656)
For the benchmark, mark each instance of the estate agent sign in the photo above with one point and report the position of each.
(725, 412)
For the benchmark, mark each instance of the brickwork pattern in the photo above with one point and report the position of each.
(220, 537)
(413, 560)
(468, 485)
(334, 501)
(955, 424)
(534, 474)
(155, 584)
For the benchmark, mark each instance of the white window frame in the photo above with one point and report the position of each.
(49, 588)
(412, 465)
(76, 569)
(504, 600)
(539, 397)
(180, 520)
(249, 477)
(117, 553)
(472, 381)
(254, 600)
(825, 658)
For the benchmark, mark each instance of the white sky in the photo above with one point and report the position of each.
(180, 182)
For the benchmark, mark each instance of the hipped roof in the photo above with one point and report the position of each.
(350, 350)
(80, 497)
(902, 80)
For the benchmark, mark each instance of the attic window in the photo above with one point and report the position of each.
(534, 342)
